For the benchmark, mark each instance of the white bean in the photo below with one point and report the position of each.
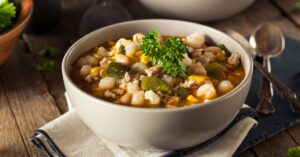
(209, 56)
(131, 48)
(168, 79)
(82, 61)
(195, 40)
(132, 87)
(225, 86)
(213, 49)
(85, 70)
(107, 83)
(138, 98)
(139, 67)
(102, 51)
(206, 91)
(120, 58)
(152, 97)
(138, 37)
(92, 60)
(198, 68)
(121, 43)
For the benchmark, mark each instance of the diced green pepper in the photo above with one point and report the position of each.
(155, 84)
(116, 70)
(213, 70)
(182, 92)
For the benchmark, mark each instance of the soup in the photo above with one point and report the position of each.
(158, 71)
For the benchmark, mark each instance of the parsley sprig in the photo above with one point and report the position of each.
(294, 152)
(167, 55)
(7, 13)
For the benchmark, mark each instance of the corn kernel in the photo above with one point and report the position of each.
(130, 56)
(192, 99)
(198, 78)
(145, 59)
(114, 56)
(99, 57)
(139, 53)
(221, 55)
(94, 70)
(111, 43)
(113, 47)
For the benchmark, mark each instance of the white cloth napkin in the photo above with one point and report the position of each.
(69, 136)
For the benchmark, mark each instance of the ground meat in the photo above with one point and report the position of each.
(104, 63)
(118, 91)
(152, 70)
(102, 73)
(160, 93)
(89, 78)
(188, 84)
(109, 94)
(136, 82)
(172, 101)
(197, 54)
(122, 83)
(127, 77)
(234, 59)
(141, 77)
(126, 98)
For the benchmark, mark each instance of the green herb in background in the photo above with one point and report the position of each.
(168, 55)
(297, 5)
(49, 52)
(294, 152)
(7, 13)
(298, 73)
(45, 66)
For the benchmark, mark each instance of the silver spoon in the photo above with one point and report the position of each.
(282, 89)
(268, 40)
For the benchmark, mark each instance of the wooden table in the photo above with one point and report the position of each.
(29, 99)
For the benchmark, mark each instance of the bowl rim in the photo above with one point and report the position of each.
(9, 34)
(66, 76)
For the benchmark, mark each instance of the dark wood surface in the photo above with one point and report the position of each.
(29, 99)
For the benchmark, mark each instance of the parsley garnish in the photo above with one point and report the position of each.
(294, 152)
(297, 5)
(167, 55)
(7, 13)
(45, 66)
(49, 52)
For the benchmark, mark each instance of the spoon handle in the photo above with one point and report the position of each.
(283, 90)
(265, 105)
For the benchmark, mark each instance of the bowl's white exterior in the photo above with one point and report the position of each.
(197, 10)
(145, 128)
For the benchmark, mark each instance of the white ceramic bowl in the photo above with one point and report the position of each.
(146, 128)
(197, 10)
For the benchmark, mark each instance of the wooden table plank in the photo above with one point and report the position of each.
(248, 153)
(11, 142)
(265, 11)
(61, 37)
(28, 96)
(288, 8)
(276, 146)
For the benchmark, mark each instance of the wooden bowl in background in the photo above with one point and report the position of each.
(9, 39)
